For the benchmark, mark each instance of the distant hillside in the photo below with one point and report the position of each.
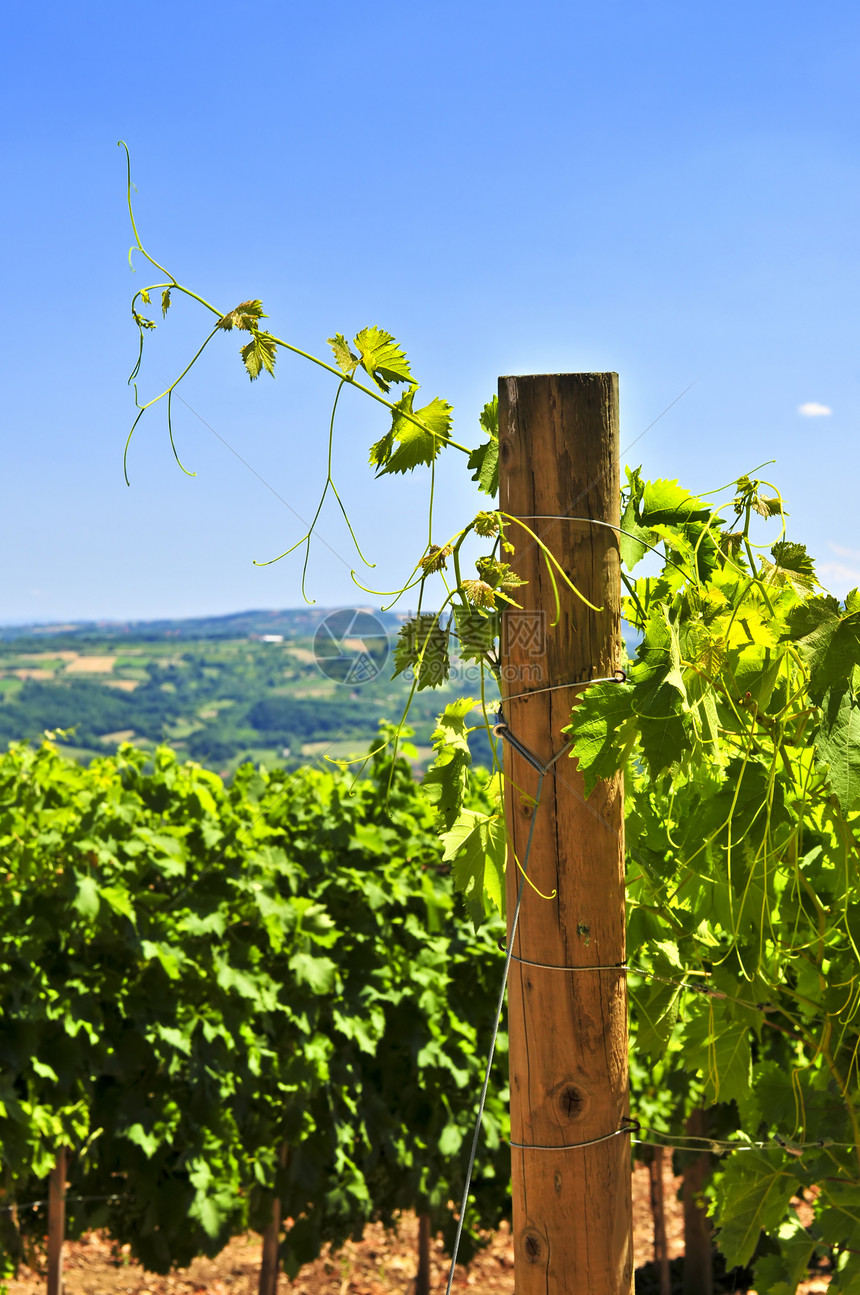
(255, 685)
(292, 622)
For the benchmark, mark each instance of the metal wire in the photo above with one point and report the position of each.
(32, 1205)
(720, 1146)
(706, 990)
(628, 1125)
(620, 676)
(480, 1117)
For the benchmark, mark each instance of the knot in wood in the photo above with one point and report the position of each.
(532, 1247)
(572, 1101)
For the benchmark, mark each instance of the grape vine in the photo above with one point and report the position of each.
(739, 735)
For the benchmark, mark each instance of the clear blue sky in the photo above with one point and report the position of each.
(667, 189)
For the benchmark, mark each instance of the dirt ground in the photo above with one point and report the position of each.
(379, 1264)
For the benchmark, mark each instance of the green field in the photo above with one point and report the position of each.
(214, 690)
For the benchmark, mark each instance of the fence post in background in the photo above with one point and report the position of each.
(572, 1214)
(269, 1266)
(658, 1214)
(56, 1223)
(698, 1246)
(422, 1277)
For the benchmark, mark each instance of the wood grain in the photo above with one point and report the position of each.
(558, 444)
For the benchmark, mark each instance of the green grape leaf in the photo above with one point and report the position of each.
(246, 317)
(838, 744)
(489, 418)
(754, 1191)
(170, 959)
(165, 301)
(446, 781)
(44, 1071)
(86, 900)
(602, 729)
(668, 504)
(137, 1134)
(659, 694)
(477, 632)
(771, 1099)
(450, 1140)
(771, 1274)
(846, 1282)
(499, 575)
(319, 974)
(477, 844)
(767, 506)
(485, 464)
(484, 460)
(422, 646)
(838, 1220)
(792, 566)
(754, 670)
(828, 640)
(343, 356)
(633, 543)
(480, 594)
(259, 354)
(211, 1211)
(119, 900)
(728, 1077)
(796, 1248)
(656, 1013)
(415, 445)
(381, 358)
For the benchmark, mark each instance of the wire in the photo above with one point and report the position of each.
(480, 1117)
(32, 1205)
(620, 676)
(720, 1146)
(706, 990)
(628, 1126)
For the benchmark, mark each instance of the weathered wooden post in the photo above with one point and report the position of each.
(572, 1217)
(658, 1214)
(270, 1267)
(56, 1223)
(698, 1244)
(422, 1277)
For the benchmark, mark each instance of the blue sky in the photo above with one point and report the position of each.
(665, 189)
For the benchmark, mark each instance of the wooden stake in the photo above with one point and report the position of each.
(269, 1266)
(422, 1279)
(698, 1246)
(56, 1223)
(658, 1214)
(572, 1213)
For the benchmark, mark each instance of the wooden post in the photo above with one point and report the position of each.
(269, 1266)
(56, 1223)
(572, 1213)
(658, 1214)
(422, 1278)
(698, 1246)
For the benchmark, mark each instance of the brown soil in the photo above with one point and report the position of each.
(379, 1264)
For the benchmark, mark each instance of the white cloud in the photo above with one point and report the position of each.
(843, 552)
(838, 578)
(812, 409)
